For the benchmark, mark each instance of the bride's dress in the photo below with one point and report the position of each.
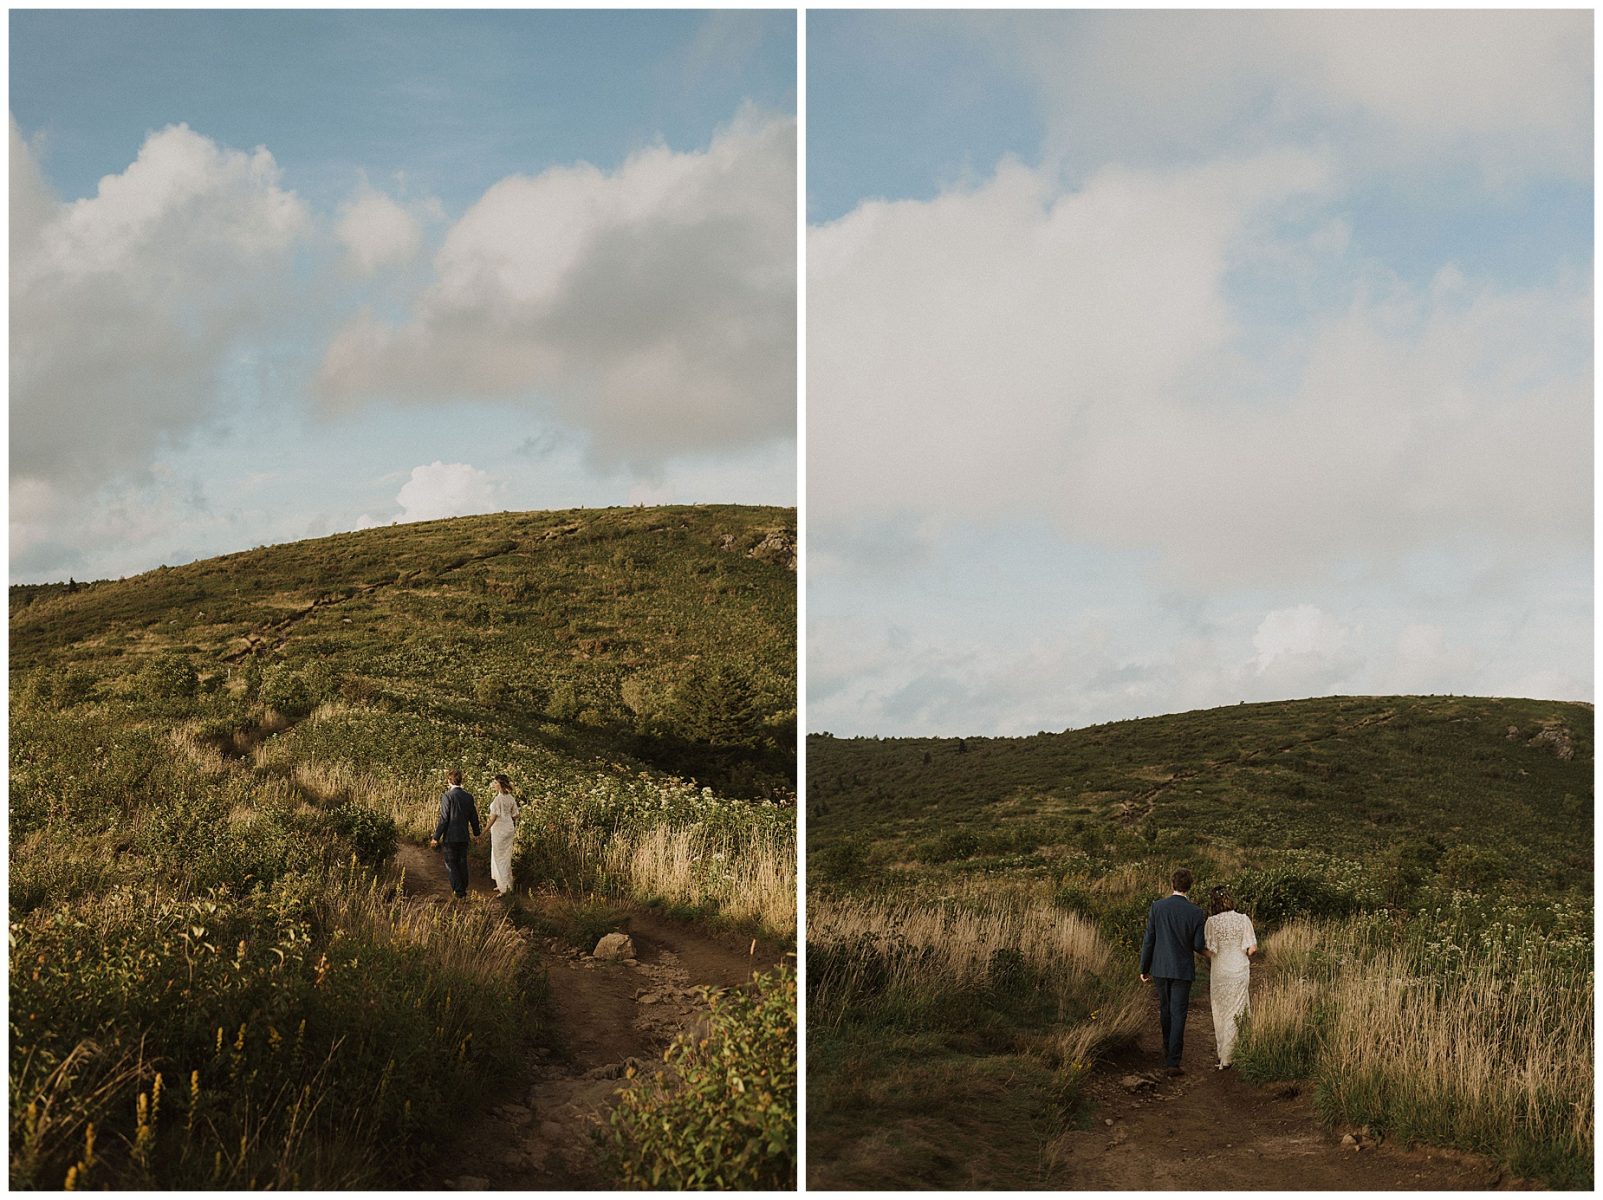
(502, 835)
(1229, 935)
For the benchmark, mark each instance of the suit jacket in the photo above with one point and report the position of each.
(1174, 934)
(457, 813)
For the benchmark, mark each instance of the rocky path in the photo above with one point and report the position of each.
(609, 1016)
(1212, 1130)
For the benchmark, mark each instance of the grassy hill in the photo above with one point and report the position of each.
(1347, 776)
(976, 904)
(212, 764)
(586, 628)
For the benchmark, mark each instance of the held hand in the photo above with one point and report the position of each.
(1146, 979)
(434, 843)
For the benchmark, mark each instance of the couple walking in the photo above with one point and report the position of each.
(459, 815)
(1177, 931)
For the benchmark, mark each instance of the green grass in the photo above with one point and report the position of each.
(215, 981)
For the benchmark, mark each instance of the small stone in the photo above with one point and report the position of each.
(1349, 1140)
(1107, 1120)
(1136, 1083)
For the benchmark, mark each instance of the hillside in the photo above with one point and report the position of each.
(976, 908)
(235, 960)
(1348, 776)
(599, 632)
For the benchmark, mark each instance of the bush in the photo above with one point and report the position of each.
(844, 862)
(953, 844)
(1278, 893)
(371, 834)
(722, 1114)
(1471, 867)
(169, 677)
(283, 688)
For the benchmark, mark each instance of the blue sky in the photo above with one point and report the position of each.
(1164, 360)
(273, 270)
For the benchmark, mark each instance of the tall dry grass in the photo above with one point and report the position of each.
(751, 883)
(868, 957)
(1494, 1056)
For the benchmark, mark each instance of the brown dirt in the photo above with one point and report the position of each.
(427, 878)
(1213, 1130)
(607, 1018)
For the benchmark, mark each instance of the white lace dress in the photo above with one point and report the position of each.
(1229, 935)
(502, 834)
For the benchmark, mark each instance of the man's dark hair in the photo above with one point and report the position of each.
(455, 776)
(1181, 880)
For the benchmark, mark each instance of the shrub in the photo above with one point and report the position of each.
(843, 862)
(371, 834)
(1471, 867)
(722, 1114)
(953, 844)
(1277, 893)
(283, 688)
(169, 677)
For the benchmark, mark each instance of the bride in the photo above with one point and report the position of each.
(1231, 943)
(503, 827)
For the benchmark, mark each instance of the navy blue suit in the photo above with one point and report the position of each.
(1173, 936)
(457, 814)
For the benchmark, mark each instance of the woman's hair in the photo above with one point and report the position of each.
(503, 781)
(1220, 900)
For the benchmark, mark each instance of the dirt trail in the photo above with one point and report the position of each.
(608, 1016)
(1213, 1130)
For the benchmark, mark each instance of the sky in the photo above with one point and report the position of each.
(1166, 360)
(282, 274)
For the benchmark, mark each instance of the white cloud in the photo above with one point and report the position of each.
(1009, 350)
(446, 490)
(1506, 94)
(126, 305)
(652, 307)
(377, 232)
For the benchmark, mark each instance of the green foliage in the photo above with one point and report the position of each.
(944, 847)
(283, 688)
(169, 677)
(722, 1114)
(343, 1034)
(1296, 886)
(1472, 867)
(371, 834)
(716, 704)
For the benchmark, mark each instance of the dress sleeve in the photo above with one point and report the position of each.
(1250, 939)
(1210, 934)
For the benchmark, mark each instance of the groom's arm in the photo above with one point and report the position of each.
(1149, 941)
(445, 814)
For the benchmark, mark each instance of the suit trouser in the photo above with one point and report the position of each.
(456, 864)
(1173, 996)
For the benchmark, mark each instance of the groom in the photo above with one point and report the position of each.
(457, 815)
(1174, 935)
